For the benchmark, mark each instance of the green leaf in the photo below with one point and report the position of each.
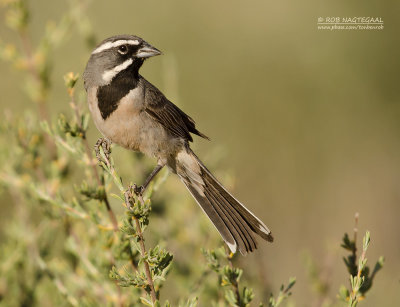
(146, 302)
(230, 298)
(158, 260)
(230, 275)
(247, 296)
(212, 259)
(85, 118)
(118, 197)
(292, 281)
(366, 241)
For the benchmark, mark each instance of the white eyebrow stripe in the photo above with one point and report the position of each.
(120, 42)
(108, 75)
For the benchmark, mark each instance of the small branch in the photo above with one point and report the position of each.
(105, 160)
(146, 264)
(283, 294)
(128, 197)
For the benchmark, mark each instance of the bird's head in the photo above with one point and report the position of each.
(115, 55)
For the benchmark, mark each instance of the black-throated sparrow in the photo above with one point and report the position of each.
(133, 113)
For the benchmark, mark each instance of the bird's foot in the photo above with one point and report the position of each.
(105, 145)
(138, 190)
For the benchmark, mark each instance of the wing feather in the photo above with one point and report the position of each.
(169, 115)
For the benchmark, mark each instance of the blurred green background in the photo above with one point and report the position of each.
(306, 120)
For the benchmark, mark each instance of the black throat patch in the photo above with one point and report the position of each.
(109, 96)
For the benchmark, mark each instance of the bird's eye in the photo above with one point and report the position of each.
(123, 49)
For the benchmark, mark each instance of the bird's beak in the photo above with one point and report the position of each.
(147, 51)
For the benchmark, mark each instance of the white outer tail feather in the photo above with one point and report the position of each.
(235, 223)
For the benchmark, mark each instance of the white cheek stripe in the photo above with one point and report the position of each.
(120, 42)
(108, 75)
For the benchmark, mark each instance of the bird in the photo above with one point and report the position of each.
(133, 113)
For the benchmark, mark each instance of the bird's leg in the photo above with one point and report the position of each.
(139, 190)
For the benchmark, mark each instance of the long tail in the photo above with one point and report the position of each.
(236, 224)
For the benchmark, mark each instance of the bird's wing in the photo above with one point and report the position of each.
(169, 115)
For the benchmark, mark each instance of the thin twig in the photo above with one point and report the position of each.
(128, 197)
(146, 264)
